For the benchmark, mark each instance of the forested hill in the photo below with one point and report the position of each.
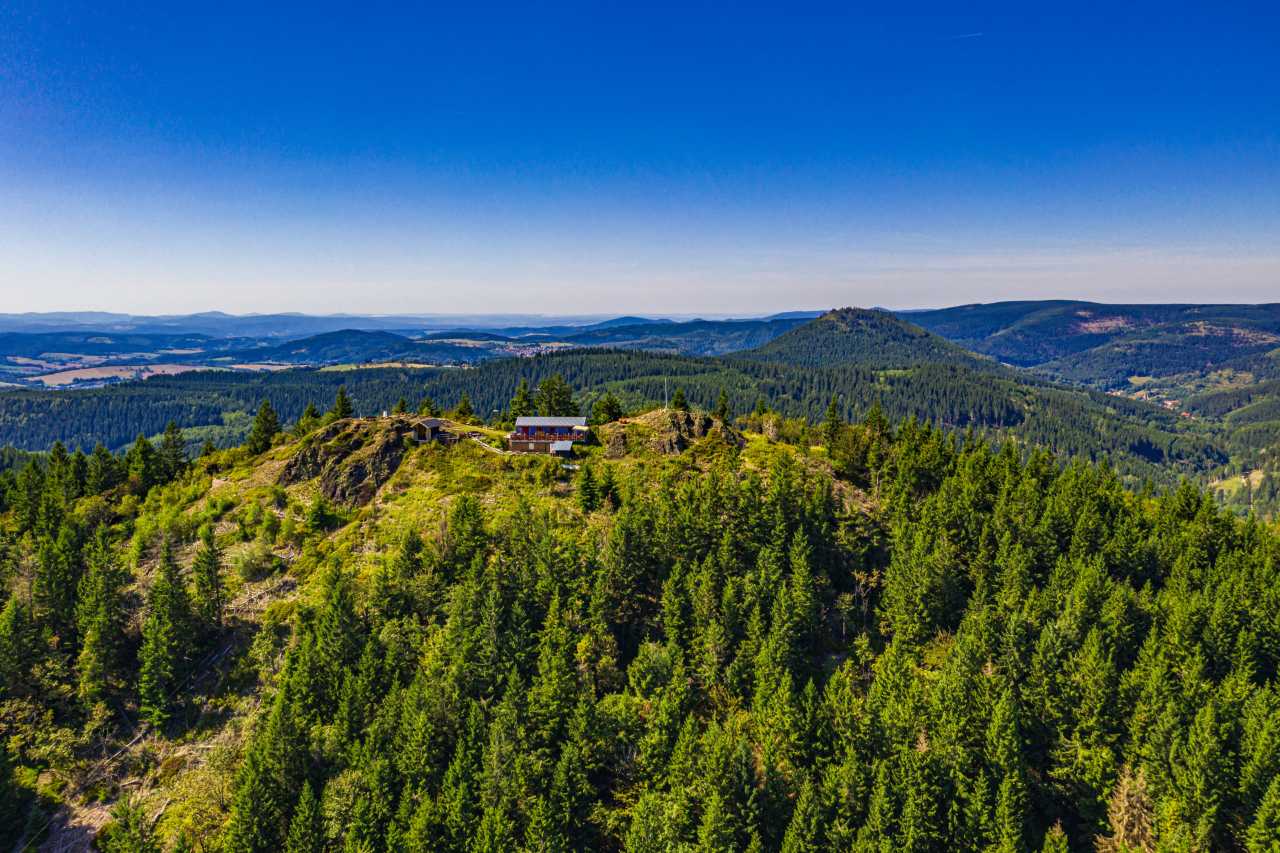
(766, 637)
(1103, 344)
(859, 359)
(354, 346)
(869, 338)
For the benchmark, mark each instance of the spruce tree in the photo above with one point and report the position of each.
(428, 408)
(102, 472)
(308, 420)
(165, 639)
(306, 832)
(206, 570)
(401, 406)
(342, 407)
(588, 490)
(555, 398)
(831, 425)
(143, 465)
(172, 452)
(678, 402)
(722, 407)
(101, 617)
(804, 833)
(607, 409)
(1264, 832)
(270, 780)
(1055, 840)
(463, 411)
(265, 426)
(522, 402)
(129, 831)
(58, 570)
(17, 647)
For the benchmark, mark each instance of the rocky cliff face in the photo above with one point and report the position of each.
(352, 458)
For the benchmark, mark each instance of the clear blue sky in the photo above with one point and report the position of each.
(635, 157)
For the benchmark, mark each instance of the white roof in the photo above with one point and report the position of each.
(551, 422)
(561, 446)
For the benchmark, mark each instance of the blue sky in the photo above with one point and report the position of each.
(635, 157)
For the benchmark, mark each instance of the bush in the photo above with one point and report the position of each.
(256, 562)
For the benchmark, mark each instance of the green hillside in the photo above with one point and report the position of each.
(846, 636)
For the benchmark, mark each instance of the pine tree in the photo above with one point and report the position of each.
(401, 406)
(1264, 832)
(831, 425)
(804, 833)
(17, 647)
(165, 638)
(463, 411)
(58, 571)
(206, 570)
(1055, 840)
(522, 402)
(678, 402)
(555, 398)
(428, 408)
(588, 490)
(607, 409)
(265, 426)
(342, 407)
(722, 407)
(173, 452)
(130, 831)
(101, 617)
(102, 472)
(306, 834)
(270, 780)
(308, 420)
(142, 464)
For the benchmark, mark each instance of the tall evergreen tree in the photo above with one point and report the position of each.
(831, 425)
(463, 411)
(18, 651)
(678, 401)
(588, 489)
(165, 640)
(555, 398)
(522, 402)
(607, 409)
(173, 452)
(265, 427)
(206, 570)
(101, 616)
(722, 407)
(342, 407)
(143, 465)
(306, 832)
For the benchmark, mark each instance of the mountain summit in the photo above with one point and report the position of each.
(874, 339)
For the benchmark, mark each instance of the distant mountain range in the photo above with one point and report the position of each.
(290, 325)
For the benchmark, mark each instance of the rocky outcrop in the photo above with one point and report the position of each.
(352, 458)
(667, 431)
